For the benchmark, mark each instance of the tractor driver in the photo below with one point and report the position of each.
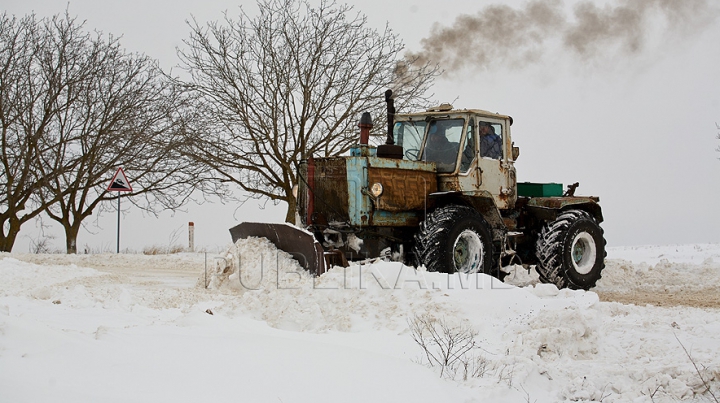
(490, 143)
(439, 149)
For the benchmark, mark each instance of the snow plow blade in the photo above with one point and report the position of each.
(301, 244)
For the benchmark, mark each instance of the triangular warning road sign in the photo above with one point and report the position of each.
(119, 182)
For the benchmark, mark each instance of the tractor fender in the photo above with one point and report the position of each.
(548, 208)
(480, 200)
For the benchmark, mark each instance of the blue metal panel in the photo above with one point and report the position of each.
(359, 203)
(363, 151)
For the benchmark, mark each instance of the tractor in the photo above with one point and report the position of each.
(442, 192)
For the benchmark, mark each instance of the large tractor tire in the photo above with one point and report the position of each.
(454, 239)
(571, 251)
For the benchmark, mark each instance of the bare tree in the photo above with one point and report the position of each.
(30, 95)
(75, 107)
(124, 113)
(290, 84)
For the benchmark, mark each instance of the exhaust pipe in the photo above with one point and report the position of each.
(389, 149)
(365, 125)
(390, 117)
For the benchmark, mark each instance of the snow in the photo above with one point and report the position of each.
(86, 328)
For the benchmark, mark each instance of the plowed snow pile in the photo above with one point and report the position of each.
(257, 328)
(677, 275)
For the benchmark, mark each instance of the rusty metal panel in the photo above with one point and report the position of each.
(397, 219)
(559, 202)
(403, 189)
(449, 183)
(545, 207)
(331, 190)
(402, 164)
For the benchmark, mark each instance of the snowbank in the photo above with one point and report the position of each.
(146, 329)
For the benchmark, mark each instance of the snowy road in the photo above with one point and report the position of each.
(676, 275)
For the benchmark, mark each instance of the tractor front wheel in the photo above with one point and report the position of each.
(454, 239)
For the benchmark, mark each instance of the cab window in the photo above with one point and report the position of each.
(409, 136)
(443, 143)
(491, 143)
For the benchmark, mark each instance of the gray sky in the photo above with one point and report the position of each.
(624, 102)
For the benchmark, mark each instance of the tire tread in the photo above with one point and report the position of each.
(433, 231)
(549, 250)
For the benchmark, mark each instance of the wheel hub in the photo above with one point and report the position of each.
(468, 252)
(583, 253)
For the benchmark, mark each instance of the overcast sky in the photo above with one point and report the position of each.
(624, 101)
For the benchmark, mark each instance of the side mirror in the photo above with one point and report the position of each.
(515, 152)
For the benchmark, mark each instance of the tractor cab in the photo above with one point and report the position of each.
(472, 150)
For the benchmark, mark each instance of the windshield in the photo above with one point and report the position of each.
(409, 135)
(443, 143)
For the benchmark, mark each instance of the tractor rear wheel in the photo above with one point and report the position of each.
(571, 251)
(454, 239)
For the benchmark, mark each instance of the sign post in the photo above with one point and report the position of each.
(119, 183)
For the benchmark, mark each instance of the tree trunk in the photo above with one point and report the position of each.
(8, 240)
(290, 216)
(71, 233)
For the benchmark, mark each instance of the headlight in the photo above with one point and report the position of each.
(376, 189)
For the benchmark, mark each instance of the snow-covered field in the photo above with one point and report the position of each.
(121, 328)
